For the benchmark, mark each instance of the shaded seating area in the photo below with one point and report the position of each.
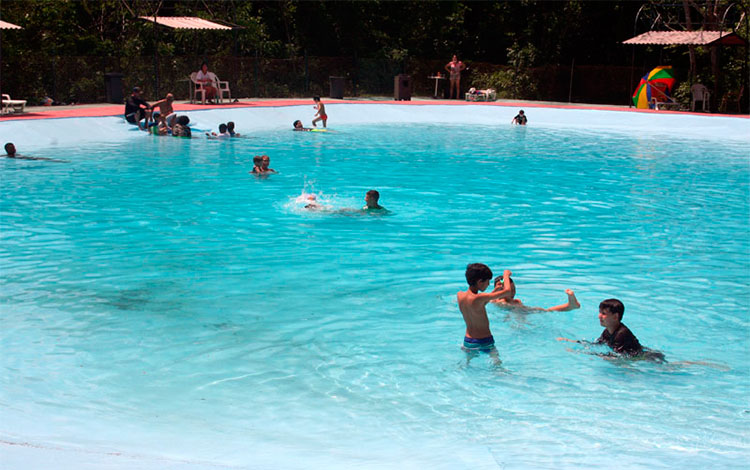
(197, 89)
(703, 38)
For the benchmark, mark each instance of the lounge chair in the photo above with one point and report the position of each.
(481, 95)
(11, 106)
(700, 93)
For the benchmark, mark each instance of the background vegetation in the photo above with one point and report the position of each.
(547, 50)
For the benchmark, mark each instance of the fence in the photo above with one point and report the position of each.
(81, 79)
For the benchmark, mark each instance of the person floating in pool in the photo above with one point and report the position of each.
(321, 114)
(371, 199)
(299, 127)
(618, 336)
(520, 118)
(472, 304)
(10, 152)
(513, 302)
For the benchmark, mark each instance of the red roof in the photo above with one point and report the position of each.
(185, 22)
(6, 25)
(698, 38)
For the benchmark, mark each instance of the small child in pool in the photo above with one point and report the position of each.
(257, 163)
(265, 160)
(230, 129)
(472, 304)
(513, 302)
(223, 132)
(618, 336)
(520, 119)
(321, 114)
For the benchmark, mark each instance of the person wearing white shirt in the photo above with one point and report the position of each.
(208, 79)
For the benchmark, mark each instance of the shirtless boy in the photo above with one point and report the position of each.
(166, 112)
(472, 304)
(321, 114)
(513, 302)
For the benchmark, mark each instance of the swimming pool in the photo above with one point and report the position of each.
(164, 308)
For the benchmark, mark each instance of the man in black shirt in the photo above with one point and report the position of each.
(137, 109)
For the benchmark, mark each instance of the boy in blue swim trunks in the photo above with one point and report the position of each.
(472, 304)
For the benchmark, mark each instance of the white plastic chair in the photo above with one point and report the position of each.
(11, 106)
(196, 88)
(700, 93)
(222, 87)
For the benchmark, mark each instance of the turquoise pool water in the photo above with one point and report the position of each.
(161, 304)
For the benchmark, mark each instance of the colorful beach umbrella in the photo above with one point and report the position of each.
(657, 84)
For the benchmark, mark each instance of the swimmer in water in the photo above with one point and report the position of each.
(299, 127)
(311, 202)
(10, 152)
(618, 336)
(257, 163)
(513, 302)
(230, 129)
(371, 198)
(265, 160)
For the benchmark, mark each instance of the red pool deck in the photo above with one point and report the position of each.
(100, 110)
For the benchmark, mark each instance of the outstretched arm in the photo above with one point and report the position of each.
(571, 304)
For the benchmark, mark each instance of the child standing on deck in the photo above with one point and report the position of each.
(321, 114)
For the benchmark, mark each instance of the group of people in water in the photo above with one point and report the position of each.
(478, 338)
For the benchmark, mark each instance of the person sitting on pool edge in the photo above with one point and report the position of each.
(472, 304)
(299, 127)
(520, 119)
(371, 198)
(137, 109)
(618, 336)
(513, 302)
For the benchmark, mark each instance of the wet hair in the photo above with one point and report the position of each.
(8, 148)
(374, 193)
(183, 120)
(257, 159)
(294, 124)
(476, 272)
(186, 132)
(520, 111)
(316, 98)
(230, 125)
(222, 128)
(499, 280)
(612, 306)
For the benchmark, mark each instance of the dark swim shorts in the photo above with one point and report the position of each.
(479, 344)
